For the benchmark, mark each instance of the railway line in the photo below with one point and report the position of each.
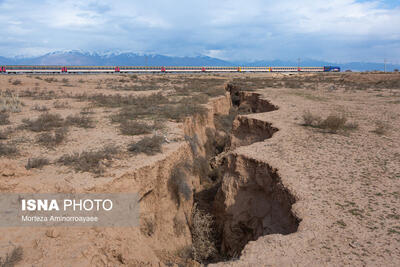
(18, 69)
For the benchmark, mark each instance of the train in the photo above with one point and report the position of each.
(17, 69)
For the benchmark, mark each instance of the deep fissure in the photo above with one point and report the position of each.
(245, 197)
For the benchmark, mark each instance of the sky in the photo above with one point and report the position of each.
(331, 30)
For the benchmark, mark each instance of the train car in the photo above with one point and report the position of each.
(157, 69)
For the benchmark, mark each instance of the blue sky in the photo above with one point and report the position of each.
(334, 30)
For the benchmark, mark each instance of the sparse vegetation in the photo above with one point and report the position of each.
(13, 258)
(45, 122)
(90, 161)
(148, 145)
(36, 163)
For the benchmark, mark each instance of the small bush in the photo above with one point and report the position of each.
(203, 240)
(148, 145)
(44, 122)
(178, 184)
(50, 140)
(16, 82)
(82, 121)
(381, 128)
(37, 163)
(332, 124)
(310, 119)
(40, 108)
(8, 149)
(182, 110)
(90, 161)
(136, 128)
(51, 79)
(11, 259)
(87, 111)
(61, 104)
(4, 118)
(147, 227)
(179, 226)
(4, 134)
(225, 122)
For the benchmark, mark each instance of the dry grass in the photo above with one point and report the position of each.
(4, 118)
(203, 241)
(7, 150)
(90, 161)
(148, 145)
(45, 122)
(61, 104)
(9, 102)
(80, 120)
(11, 259)
(40, 108)
(37, 163)
(50, 140)
(135, 127)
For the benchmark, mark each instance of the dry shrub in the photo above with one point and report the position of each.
(51, 140)
(51, 79)
(9, 102)
(332, 124)
(5, 134)
(45, 122)
(178, 184)
(80, 120)
(225, 122)
(4, 118)
(147, 227)
(179, 226)
(40, 108)
(16, 82)
(11, 259)
(182, 110)
(61, 104)
(36, 163)
(203, 240)
(381, 127)
(310, 119)
(90, 161)
(136, 127)
(148, 145)
(8, 149)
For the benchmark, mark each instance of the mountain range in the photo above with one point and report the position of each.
(132, 59)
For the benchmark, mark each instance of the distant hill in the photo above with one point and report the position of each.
(131, 59)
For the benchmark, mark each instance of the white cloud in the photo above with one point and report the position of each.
(252, 29)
